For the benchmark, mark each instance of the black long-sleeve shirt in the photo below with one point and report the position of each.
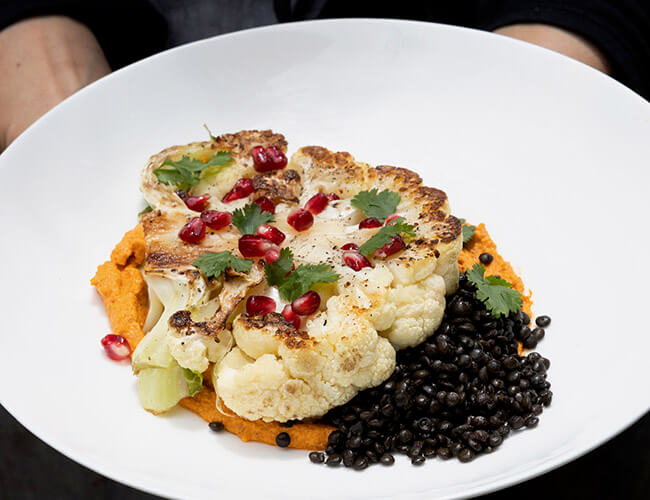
(129, 30)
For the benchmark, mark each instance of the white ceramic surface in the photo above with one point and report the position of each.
(551, 154)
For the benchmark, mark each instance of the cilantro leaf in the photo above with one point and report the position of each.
(145, 210)
(249, 218)
(303, 278)
(385, 234)
(188, 172)
(376, 204)
(497, 294)
(277, 270)
(213, 138)
(468, 231)
(194, 381)
(213, 264)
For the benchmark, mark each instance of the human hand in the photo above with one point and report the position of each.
(42, 61)
(559, 40)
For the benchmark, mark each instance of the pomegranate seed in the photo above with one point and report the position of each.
(243, 187)
(306, 304)
(355, 260)
(391, 218)
(272, 254)
(251, 245)
(197, 203)
(333, 197)
(267, 159)
(300, 219)
(259, 305)
(265, 204)
(369, 222)
(182, 194)
(270, 233)
(216, 220)
(117, 347)
(396, 244)
(291, 317)
(317, 203)
(193, 231)
(350, 246)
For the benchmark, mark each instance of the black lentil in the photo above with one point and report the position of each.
(282, 440)
(216, 426)
(458, 394)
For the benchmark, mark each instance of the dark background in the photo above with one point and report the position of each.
(29, 469)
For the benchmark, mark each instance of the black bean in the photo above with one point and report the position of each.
(317, 457)
(543, 321)
(333, 460)
(486, 258)
(216, 426)
(387, 459)
(465, 455)
(532, 422)
(283, 440)
(418, 460)
(405, 436)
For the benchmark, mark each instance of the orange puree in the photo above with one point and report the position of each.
(124, 292)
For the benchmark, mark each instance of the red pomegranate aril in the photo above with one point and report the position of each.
(291, 317)
(216, 220)
(396, 244)
(243, 187)
(260, 159)
(300, 219)
(182, 194)
(355, 260)
(270, 233)
(350, 246)
(117, 347)
(391, 218)
(317, 203)
(197, 203)
(306, 304)
(277, 159)
(193, 231)
(369, 222)
(259, 305)
(266, 205)
(333, 197)
(251, 245)
(272, 254)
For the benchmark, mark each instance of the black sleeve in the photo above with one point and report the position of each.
(619, 28)
(127, 30)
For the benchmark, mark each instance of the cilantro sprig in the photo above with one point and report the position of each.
(496, 293)
(385, 235)
(298, 281)
(378, 204)
(213, 264)
(468, 231)
(250, 217)
(188, 172)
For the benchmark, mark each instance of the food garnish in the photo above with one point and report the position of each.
(496, 293)
(145, 210)
(385, 235)
(375, 203)
(212, 264)
(188, 172)
(468, 231)
(250, 217)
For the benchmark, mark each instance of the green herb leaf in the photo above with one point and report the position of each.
(145, 210)
(194, 381)
(385, 234)
(497, 294)
(376, 204)
(278, 269)
(249, 218)
(213, 264)
(209, 133)
(303, 278)
(468, 231)
(188, 172)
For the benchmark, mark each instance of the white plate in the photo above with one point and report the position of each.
(551, 154)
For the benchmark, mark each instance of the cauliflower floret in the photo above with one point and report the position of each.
(197, 351)
(279, 373)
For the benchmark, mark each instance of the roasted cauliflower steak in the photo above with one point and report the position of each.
(265, 368)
